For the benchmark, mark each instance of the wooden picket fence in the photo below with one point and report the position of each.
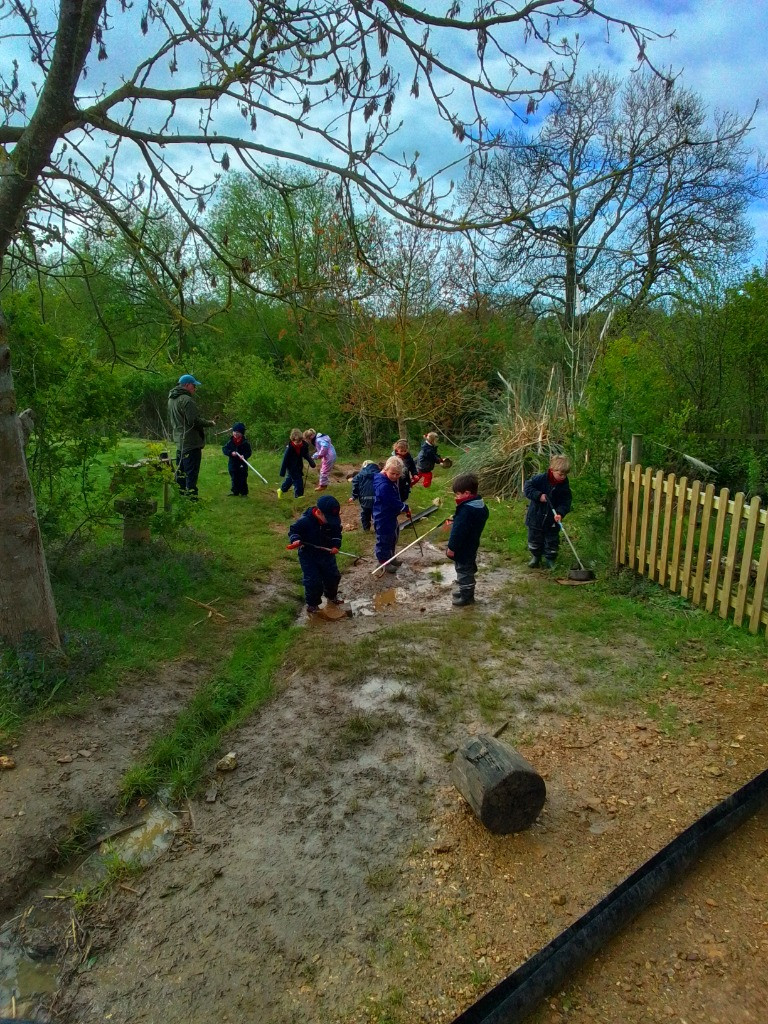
(709, 548)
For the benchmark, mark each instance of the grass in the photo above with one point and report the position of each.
(176, 759)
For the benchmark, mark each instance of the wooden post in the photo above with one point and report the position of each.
(503, 790)
(636, 449)
(616, 526)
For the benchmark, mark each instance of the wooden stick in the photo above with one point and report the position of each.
(200, 604)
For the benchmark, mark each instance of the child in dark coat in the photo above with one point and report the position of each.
(362, 491)
(410, 473)
(468, 523)
(549, 496)
(295, 455)
(236, 449)
(427, 458)
(387, 506)
(319, 527)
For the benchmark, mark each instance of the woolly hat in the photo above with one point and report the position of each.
(239, 427)
(328, 505)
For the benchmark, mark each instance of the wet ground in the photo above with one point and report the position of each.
(338, 877)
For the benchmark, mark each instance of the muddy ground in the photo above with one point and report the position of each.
(338, 877)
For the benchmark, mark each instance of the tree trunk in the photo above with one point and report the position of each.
(26, 599)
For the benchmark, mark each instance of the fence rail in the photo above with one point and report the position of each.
(709, 548)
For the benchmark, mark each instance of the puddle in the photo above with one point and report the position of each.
(361, 606)
(22, 980)
(385, 598)
(25, 978)
(149, 840)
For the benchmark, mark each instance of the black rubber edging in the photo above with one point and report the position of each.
(514, 998)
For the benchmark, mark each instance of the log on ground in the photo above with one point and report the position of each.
(502, 788)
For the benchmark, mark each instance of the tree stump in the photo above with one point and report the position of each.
(137, 514)
(503, 790)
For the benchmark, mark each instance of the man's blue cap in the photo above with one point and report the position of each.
(187, 378)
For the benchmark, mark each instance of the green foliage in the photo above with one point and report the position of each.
(78, 408)
(31, 676)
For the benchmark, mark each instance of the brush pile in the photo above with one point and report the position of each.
(515, 442)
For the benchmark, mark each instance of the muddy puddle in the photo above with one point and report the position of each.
(29, 972)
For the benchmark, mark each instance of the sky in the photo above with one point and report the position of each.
(717, 47)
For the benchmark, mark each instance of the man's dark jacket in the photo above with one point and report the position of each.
(187, 425)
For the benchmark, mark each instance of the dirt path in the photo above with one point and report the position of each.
(339, 878)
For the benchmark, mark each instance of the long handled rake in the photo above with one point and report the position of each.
(408, 547)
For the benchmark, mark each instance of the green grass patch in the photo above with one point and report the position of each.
(176, 761)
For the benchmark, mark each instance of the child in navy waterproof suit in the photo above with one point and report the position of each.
(296, 454)
(549, 496)
(387, 506)
(362, 491)
(468, 523)
(319, 527)
(238, 471)
(427, 458)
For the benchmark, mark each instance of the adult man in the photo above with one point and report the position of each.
(188, 433)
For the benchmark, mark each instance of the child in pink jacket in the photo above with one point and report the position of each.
(325, 452)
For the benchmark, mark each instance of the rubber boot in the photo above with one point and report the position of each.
(466, 596)
(535, 562)
(550, 563)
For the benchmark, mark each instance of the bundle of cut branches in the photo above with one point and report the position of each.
(513, 444)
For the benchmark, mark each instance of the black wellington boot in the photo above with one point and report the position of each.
(535, 562)
(466, 596)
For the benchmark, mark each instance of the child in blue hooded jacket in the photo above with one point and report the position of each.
(387, 506)
(236, 449)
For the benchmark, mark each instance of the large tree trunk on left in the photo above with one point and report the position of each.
(26, 599)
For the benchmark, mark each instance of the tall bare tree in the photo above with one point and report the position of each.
(101, 102)
(623, 193)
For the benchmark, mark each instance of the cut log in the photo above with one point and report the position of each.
(503, 790)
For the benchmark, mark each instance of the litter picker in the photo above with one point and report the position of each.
(258, 474)
(408, 546)
(319, 547)
(585, 574)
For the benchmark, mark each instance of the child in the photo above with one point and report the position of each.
(549, 495)
(238, 471)
(362, 491)
(325, 452)
(296, 452)
(319, 527)
(387, 506)
(410, 475)
(427, 457)
(468, 523)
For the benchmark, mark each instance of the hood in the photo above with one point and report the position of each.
(176, 390)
